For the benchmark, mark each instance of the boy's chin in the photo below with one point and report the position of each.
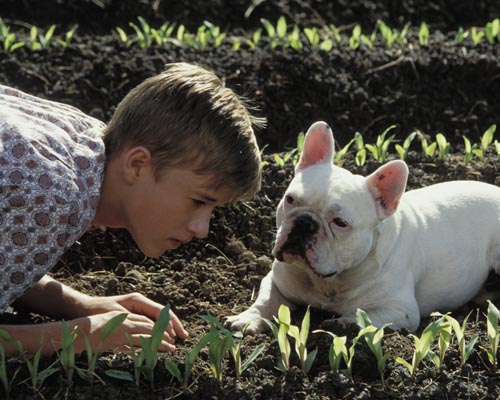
(158, 252)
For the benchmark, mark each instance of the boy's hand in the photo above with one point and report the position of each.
(137, 305)
(127, 334)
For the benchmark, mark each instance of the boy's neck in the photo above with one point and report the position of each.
(108, 213)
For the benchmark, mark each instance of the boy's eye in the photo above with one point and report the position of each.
(198, 202)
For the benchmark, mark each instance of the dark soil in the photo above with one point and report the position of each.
(445, 87)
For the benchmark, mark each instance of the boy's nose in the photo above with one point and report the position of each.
(200, 226)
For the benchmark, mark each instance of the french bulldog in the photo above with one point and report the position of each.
(346, 241)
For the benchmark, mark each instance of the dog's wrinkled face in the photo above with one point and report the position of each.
(325, 220)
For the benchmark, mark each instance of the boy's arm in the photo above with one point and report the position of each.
(52, 298)
(47, 336)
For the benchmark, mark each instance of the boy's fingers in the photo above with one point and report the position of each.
(175, 327)
(165, 345)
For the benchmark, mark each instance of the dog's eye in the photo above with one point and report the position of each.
(289, 199)
(340, 223)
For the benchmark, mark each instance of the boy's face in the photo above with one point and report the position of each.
(165, 213)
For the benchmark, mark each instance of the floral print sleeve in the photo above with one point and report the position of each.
(51, 170)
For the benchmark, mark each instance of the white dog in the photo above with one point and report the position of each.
(346, 242)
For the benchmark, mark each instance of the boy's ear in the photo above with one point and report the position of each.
(135, 162)
(318, 146)
(386, 185)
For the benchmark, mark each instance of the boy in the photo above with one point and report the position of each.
(178, 145)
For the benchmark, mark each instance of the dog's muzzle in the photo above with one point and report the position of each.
(300, 239)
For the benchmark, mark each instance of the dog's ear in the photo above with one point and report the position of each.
(387, 184)
(318, 146)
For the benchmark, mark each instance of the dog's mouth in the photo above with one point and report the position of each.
(301, 238)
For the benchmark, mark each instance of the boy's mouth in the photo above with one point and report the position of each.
(175, 243)
(179, 242)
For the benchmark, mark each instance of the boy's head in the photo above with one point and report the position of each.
(186, 118)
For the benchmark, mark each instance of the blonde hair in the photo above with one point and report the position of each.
(186, 117)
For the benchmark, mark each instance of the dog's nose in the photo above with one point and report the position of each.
(300, 237)
(305, 225)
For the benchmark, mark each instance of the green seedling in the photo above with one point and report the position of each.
(468, 149)
(300, 145)
(262, 149)
(276, 35)
(326, 45)
(205, 34)
(67, 353)
(335, 33)
(402, 150)
(493, 333)
(340, 154)
(422, 347)
(145, 35)
(360, 158)
(189, 360)
(235, 350)
(68, 37)
(10, 43)
(444, 341)
(391, 36)
(219, 346)
(236, 43)
(294, 39)
(373, 337)
(40, 40)
(300, 336)
(461, 35)
(293, 155)
(215, 33)
(37, 377)
(254, 40)
(145, 361)
(381, 147)
(7, 381)
(111, 326)
(443, 146)
(402, 38)
(480, 149)
(123, 36)
(465, 348)
(486, 141)
(476, 35)
(496, 143)
(423, 34)
(337, 351)
(280, 332)
(355, 39)
(427, 148)
(492, 30)
(312, 36)
(281, 160)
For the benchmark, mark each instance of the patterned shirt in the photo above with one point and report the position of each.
(51, 171)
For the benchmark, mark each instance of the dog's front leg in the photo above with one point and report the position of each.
(267, 304)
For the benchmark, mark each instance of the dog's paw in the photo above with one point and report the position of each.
(251, 319)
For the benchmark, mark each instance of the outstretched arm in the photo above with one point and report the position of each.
(90, 314)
